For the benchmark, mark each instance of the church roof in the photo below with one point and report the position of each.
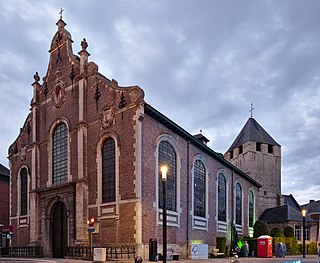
(283, 213)
(252, 131)
(158, 116)
(4, 170)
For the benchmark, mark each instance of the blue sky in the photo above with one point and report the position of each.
(201, 63)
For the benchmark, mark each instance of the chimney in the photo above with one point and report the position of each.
(311, 201)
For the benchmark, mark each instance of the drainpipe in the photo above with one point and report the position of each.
(188, 195)
(232, 206)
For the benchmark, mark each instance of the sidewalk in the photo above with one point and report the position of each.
(287, 259)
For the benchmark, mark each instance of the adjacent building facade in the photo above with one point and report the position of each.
(90, 147)
(4, 204)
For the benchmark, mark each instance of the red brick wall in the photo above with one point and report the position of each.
(150, 134)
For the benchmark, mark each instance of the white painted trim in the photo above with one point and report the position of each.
(173, 143)
(196, 218)
(254, 206)
(242, 203)
(19, 192)
(99, 171)
(52, 128)
(228, 184)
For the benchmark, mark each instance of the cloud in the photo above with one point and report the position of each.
(201, 63)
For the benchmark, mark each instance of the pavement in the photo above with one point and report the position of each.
(287, 259)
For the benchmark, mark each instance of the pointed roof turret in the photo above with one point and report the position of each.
(252, 131)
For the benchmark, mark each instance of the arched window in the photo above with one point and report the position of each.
(222, 198)
(199, 190)
(23, 192)
(251, 209)
(60, 154)
(108, 171)
(167, 156)
(238, 204)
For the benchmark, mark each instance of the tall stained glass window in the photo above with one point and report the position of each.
(60, 154)
(222, 198)
(167, 156)
(199, 189)
(238, 204)
(108, 171)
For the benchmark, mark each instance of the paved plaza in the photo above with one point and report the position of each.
(288, 259)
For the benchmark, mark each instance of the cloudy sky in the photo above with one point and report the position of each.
(200, 62)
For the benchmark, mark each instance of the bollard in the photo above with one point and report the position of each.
(138, 259)
(235, 259)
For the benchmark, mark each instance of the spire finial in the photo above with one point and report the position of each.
(251, 110)
(61, 11)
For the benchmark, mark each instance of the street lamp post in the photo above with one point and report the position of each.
(304, 212)
(164, 170)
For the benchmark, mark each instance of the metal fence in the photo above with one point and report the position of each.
(34, 251)
(112, 252)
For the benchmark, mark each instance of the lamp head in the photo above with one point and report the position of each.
(304, 211)
(164, 170)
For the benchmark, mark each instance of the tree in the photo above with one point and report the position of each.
(260, 228)
(288, 231)
(276, 232)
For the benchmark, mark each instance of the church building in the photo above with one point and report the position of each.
(92, 148)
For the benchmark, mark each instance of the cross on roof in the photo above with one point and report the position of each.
(61, 10)
(251, 110)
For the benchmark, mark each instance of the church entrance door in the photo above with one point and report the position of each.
(59, 230)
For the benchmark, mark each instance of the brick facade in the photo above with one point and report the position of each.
(4, 193)
(94, 108)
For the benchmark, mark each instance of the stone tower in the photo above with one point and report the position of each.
(256, 153)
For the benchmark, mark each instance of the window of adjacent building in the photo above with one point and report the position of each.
(251, 209)
(23, 191)
(60, 154)
(307, 232)
(108, 171)
(270, 148)
(199, 190)
(258, 147)
(167, 156)
(297, 232)
(238, 204)
(222, 198)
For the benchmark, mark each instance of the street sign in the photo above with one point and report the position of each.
(90, 221)
(90, 229)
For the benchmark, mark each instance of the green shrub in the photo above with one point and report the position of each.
(312, 248)
(276, 232)
(291, 244)
(221, 244)
(288, 231)
(260, 228)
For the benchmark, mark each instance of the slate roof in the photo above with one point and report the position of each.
(313, 207)
(291, 201)
(252, 131)
(283, 213)
(4, 170)
(158, 116)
